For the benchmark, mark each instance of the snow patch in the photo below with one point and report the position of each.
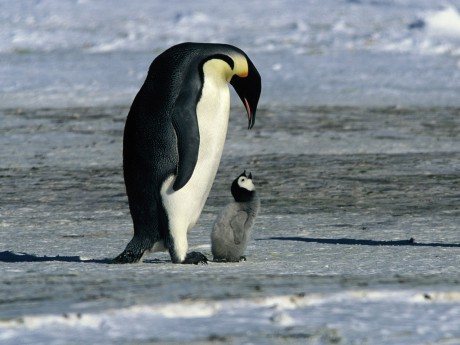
(444, 23)
(275, 309)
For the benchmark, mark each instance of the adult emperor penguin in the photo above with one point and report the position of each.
(231, 231)
(173, 141)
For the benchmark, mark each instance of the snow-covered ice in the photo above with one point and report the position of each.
(80, 53)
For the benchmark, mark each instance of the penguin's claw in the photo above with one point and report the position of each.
(127, 257)
(195, 258)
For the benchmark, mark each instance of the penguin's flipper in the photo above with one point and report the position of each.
(185, 123)
(237, 223)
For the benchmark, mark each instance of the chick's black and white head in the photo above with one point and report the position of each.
(243, 188)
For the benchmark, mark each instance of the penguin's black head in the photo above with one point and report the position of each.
(248, 87)
(242, 188)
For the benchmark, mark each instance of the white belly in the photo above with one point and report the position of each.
(185, 205)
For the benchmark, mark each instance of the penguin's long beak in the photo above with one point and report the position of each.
(248, 89)
(251, 116)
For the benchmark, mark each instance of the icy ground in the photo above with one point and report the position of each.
(357, 241)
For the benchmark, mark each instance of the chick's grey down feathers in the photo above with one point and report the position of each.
(232, 229)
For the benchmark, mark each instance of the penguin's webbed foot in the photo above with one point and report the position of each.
(128, 257)
(135, 250)
(195, 258)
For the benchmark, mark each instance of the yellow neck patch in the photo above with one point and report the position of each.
(220, 67)
(241, 66)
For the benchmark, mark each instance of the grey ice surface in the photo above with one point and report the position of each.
(357, 240)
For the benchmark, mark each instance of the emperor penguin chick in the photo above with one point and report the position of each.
(232, 229)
